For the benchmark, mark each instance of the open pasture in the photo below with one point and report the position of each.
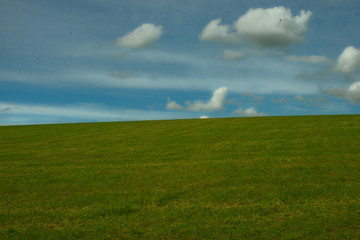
(234, 178)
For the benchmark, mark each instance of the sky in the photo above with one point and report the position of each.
(75, 61)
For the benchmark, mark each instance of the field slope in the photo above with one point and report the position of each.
(237, 178)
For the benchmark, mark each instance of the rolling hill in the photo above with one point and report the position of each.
(231, 178)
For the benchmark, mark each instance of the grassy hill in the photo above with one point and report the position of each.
(237, 178)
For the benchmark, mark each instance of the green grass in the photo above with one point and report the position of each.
(237, 178)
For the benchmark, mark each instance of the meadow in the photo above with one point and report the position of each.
(292, 177)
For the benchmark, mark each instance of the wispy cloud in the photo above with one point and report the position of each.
(352, 93)
(280, 100)
(38, 113)
(122, 75)
(249, 112)
(303, 99)
(275, 81)
(254, 97)
(308, 59)
(231, 55)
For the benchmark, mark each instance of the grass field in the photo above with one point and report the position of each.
(236, 178)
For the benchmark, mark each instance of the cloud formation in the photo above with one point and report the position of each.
(266, 28)
(249, 112)
(232, 55)
(141, 37)
(353, 93)
(24, 113)
(172, 105)
(216, 32)
(214, 104)
(348, 61)
(253, 97)
(335, 92)
(273, 27)
(307, 59)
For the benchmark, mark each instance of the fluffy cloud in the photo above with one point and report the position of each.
(230, 55)
(215, 103)
(348, 61)
(216, 32)
(172, 105)
(308, 59)
(353, 93)
(273, 27)
(204, 117)
(249, 112)
(141, 37)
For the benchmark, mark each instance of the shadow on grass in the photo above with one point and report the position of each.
(114, 211)
(167, 198)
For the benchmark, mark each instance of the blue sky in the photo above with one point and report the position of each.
(95, 60)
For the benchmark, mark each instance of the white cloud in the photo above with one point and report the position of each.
(279, 73)
(307, 59)
(231, 54)
(273, 27)
(216, 32)
(200, 73)
(172, 105)
(249, 112)
(215, 103)
(83, 111)
(348, 61)
(353, 93)
(20, 113)
(204, 117)
(141, 37)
